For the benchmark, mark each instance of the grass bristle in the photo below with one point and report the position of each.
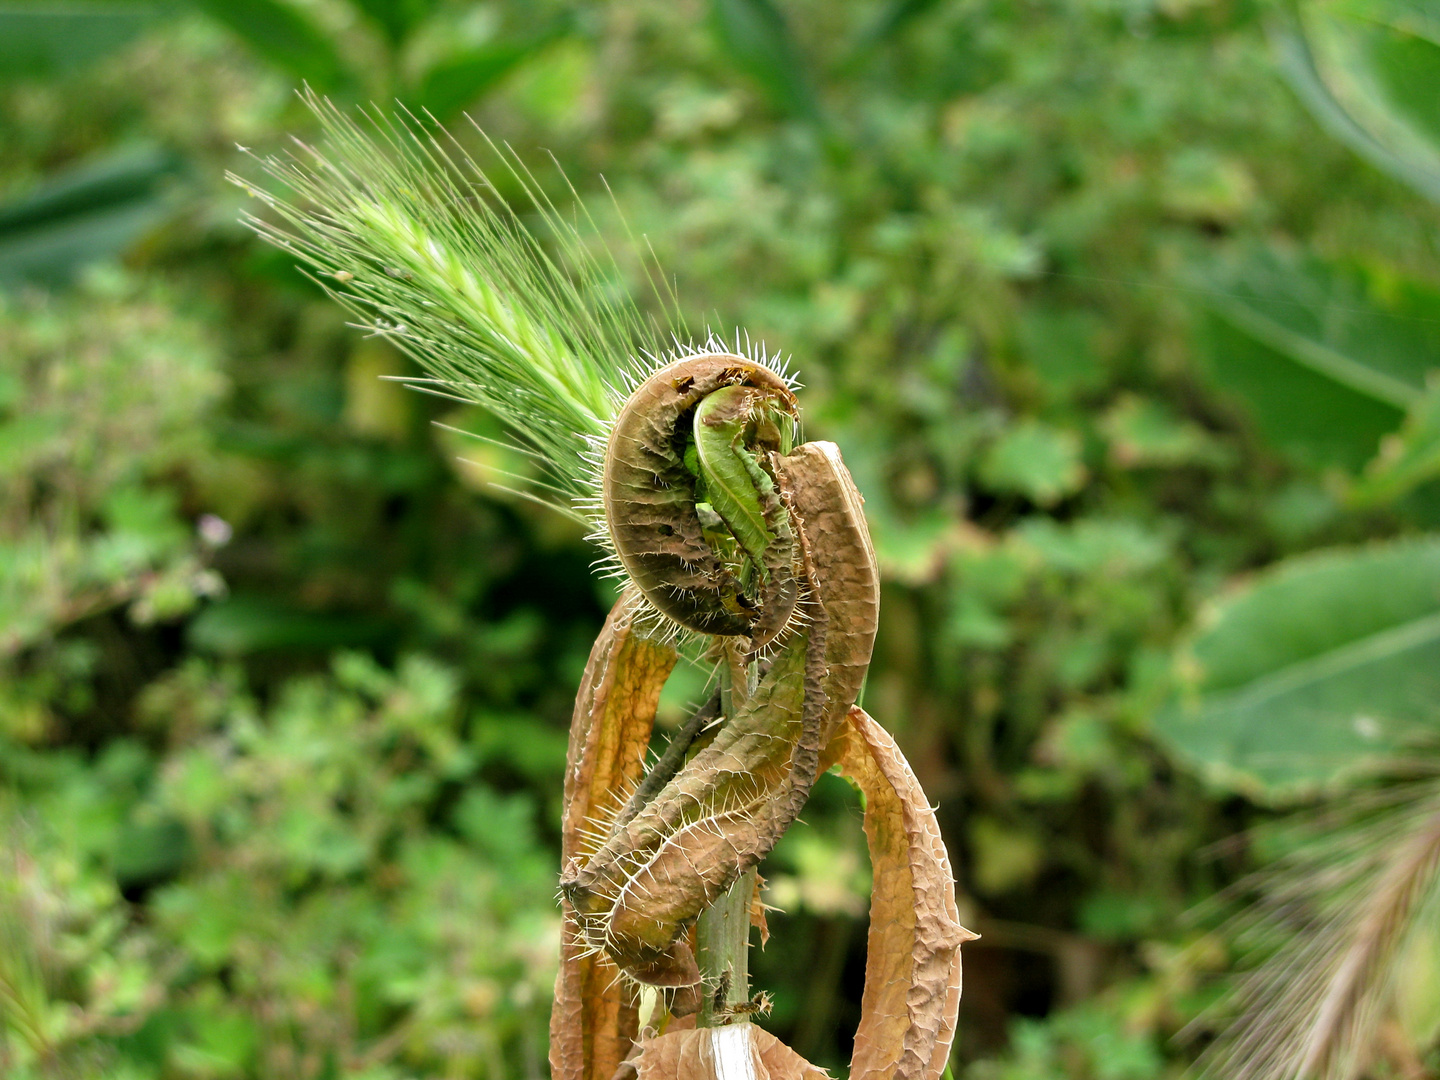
(1337, 921)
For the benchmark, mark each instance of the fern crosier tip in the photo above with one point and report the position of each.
(685, 501)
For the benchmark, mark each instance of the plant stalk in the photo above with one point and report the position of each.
(723, 931)
(723, 937)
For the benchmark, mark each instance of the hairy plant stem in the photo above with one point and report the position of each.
(723, 931)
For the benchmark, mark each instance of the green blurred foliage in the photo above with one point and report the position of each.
(1101, 318)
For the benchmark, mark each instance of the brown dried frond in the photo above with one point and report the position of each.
(596, 1019)
(736, 1050)
(912, 966)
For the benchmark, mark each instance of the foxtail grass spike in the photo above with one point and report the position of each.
(398, 222)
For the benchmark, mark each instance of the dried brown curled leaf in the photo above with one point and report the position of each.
(722, 1053)
(654, 875)
(912, 972)
(847, 580)
(757, 912)
(632, 898)
(595, 1018)
(912, 968)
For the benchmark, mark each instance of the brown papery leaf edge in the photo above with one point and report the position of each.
(595, 1019)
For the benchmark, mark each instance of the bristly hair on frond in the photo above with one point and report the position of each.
(398, 222)
(1339, 923)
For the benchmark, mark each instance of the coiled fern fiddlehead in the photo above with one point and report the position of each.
(725, 527)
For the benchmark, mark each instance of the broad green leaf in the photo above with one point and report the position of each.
(42, 39)
(92, 212)
(1401, 42)
(1328, 357)
(757, 40)
(1368, 70)
(280, 34)
(1318, 671)
(460, 80)
(1307, 416)
(1366, 331)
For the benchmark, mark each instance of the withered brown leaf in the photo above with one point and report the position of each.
(632, 895)
(847, 580)
(912, 969)
(757, 912)
(595, 1018)
(734, 1052)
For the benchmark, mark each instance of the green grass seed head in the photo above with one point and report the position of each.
(398, 222)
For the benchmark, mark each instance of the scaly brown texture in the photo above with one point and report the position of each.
(823, 496)
(655, 874)
(595, 1021)
(912, 967)
(722, 1054)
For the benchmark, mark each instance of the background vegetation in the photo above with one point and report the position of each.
(1124, 312)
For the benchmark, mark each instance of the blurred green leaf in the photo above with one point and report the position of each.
(1408, 458)
(1091, 1041)
(1327, 356)
(896, 15)
(1113, 916)
(397, 18)
(1321, 669)
(281, 35)
(758, 42)
(1402, 42)
(92, 211)
(246, 624)
(44, 39)
(1006, 857)
(223, 1042)
(1143, 432)
(147, 852)
(1304, 414)
(1338, 321)
(502, 826)
(458, 81)
(1035, 460)
(1368, 70)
